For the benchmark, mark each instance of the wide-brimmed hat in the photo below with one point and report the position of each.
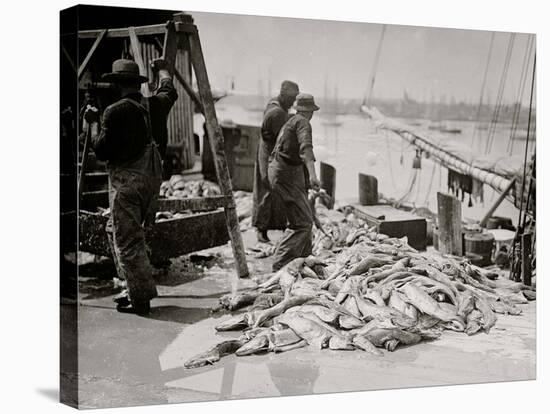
(124, 70)
(306, 103)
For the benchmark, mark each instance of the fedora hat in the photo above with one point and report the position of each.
(306, 103)
(124, 70)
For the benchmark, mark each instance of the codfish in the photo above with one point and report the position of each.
(280, 308)
(361, 342)
(214, 354)
(233, 324)
(257, 344)
(305, 328)
(339, 343)
(349, 322)
(426, 304)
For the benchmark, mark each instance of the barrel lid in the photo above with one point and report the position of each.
(479, 236)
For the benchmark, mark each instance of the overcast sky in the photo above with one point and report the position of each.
(420, 60)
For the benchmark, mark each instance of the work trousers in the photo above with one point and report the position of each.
(133, 199)
(288, 185)
(267, 212)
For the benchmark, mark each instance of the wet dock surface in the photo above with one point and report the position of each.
(129, 360)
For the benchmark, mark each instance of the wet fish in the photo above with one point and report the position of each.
(349, 322)
(397, 302)
(361, 342)
(280, 308)
(308, 272)
(315, 335)
(350, 305)
(369, 262)
(283, 337)
(374, 296)
(267, 300)
(214, 354)
(379, 337)
(327, 315)
(426, 304)
(466, 304)
(284, 348)
(257, 344)
(473, 322)
(339, 343)
(370, 311)
(234, 323)
(489, 319)
(240, 300)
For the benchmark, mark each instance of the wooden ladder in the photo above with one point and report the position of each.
(182, 34)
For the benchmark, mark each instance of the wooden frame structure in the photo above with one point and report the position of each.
(182, 34)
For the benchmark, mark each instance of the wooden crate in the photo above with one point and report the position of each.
(395, 223)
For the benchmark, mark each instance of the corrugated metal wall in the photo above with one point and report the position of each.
(180, 120)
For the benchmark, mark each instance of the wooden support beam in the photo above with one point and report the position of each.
(91, 52)
(449, 214)
(526, 247)
(68, 57)
(194, 97)
(193, 204)
(154, 29)
(134, 43)
(368, 190)
(215, 139)
(500, 199)
(170, 47)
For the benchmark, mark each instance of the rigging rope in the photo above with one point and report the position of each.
(368, 96)
(519, 97)
(483, 83)
(426, 203)
(520, 225)
(498, 102)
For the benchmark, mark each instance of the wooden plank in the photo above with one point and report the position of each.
(497, 203)
(449, 211)
(68, 57)
(216, 144)
(526, 248)
(168, 238)
(368, 190)
(134, 42)
(91, 52)
(84, 162)
(170, 47)
(154, 29)
(183, 82)
(193, 204)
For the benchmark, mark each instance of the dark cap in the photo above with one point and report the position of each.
(289, 88)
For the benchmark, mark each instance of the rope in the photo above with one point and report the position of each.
(389, 159)
(430, 186)
(498, 103)
(519, 97)
(483, 83)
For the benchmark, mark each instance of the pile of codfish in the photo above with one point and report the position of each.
(178, 187)
(365, 291)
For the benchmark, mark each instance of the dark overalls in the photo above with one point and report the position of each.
(289, 183)
(267, 214)
(133, 199)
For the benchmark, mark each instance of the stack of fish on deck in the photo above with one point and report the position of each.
(363, 291)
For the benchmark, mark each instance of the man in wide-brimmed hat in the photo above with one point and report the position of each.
(291, 172)
(266, 215)
(133, 140)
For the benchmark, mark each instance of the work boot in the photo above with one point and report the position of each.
(141, 309)
(122, 298)
(262, 236)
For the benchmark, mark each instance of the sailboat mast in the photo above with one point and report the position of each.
(368, 95)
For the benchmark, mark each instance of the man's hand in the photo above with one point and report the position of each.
(314, 183)
(159, 64)
(91, 115)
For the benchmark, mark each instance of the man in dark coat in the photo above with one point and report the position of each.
(132, 140)
(291, 173)
(266, 213)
